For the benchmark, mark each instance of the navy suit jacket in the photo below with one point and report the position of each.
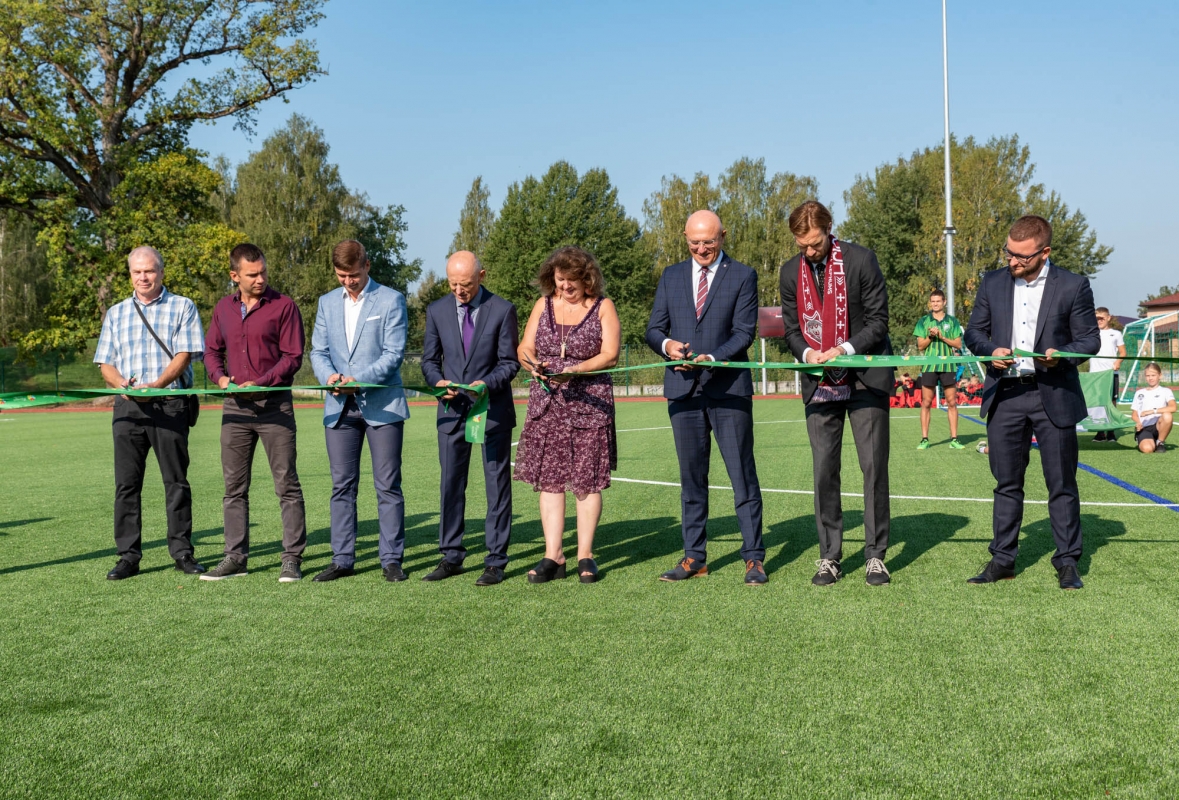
(867, 316)
(1066, 322)
(492, 359)
(725, 329)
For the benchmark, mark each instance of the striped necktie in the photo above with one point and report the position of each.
(701, 292)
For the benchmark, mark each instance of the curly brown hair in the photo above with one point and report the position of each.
(576, 265)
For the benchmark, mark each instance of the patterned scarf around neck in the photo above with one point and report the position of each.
(824, 322)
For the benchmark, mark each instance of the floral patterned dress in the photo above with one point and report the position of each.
(568, 442)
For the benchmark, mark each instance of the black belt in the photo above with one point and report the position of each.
(1022, 379)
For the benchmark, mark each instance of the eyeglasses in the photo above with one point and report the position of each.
(702, 242)
(1008, 255)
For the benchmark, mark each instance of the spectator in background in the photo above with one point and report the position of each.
(974, 389)
(1153, 411)
(909, 391)
(938, 334)
(1109, 357)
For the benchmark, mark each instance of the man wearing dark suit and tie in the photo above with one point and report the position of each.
(834, 303)
(471, 338)
(706, 310)
(1036, 306)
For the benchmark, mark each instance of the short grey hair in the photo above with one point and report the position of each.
(146, 249)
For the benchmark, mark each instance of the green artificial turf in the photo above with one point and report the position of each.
(166, 686)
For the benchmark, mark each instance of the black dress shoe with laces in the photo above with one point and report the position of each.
(393, 573)
(687, 568)
(189, 566)
(1068, 577)
(123, 569)
(993, 572)
(333, 572)
(444, 570)
(755, 573)
(490, 577)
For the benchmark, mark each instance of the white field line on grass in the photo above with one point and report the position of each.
(854, 494)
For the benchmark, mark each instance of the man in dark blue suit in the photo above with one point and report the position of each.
(1036, 306)
(706, 310)
(471, 338)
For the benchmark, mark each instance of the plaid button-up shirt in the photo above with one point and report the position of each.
(126, 344)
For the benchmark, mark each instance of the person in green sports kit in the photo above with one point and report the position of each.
(938, 334)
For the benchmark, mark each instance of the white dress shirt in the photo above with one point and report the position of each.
(1025, 315)
(696, 283)
(352, 309)
(847, 347)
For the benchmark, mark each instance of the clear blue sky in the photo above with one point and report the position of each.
(422, 97)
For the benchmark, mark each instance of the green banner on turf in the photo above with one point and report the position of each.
(1103, 412)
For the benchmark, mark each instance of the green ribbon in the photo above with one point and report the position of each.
(475, 428)
(476, 424)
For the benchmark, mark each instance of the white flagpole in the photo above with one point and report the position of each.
(949, 229)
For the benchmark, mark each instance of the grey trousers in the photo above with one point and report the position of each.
(345, 442)
(243, 424)
(868, 413)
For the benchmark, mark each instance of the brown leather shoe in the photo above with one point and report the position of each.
(755, 573)
(687, 568)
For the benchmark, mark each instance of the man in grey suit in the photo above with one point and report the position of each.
(706, 310)
(834, 302)
(471, 338)
(1036, 306)
(359, 337)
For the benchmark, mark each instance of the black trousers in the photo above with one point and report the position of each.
(868, 413)
(694, 420)
(454, 456)
(160, 426)
(1017, 413)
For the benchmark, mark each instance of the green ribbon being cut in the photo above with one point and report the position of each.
(476, 426)
(475, 429)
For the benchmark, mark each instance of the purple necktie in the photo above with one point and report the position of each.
(468, 328)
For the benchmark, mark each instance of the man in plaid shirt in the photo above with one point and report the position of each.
(129, 356)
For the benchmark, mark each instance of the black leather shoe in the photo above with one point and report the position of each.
(490, 577)
(189, 566)
(687, 568)
(755, 573)
(1069, 579)
(333, 572)
(123, 569)
(444, 570)
(393, 573)
(992, 572)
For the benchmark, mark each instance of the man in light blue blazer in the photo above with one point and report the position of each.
(359, 337)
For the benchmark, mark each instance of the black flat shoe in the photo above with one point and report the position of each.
(546, 571)
(590, 566)
(1068, 577)
(992, 573)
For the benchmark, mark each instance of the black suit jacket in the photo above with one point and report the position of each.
(1066, 322)
(867, 316)
(724, 331)
(492, 358)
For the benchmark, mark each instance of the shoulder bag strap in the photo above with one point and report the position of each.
(152, 330)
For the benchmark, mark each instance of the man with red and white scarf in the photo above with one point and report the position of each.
(834, 302)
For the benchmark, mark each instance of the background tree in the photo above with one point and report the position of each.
(289, 199)
(899, 210)
(24, 279)
(754, 207)
(430, 288)
(93, 93)
(475, 221)
(562, 208)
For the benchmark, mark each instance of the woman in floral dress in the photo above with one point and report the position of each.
(568, 443)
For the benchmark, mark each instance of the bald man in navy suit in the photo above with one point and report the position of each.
(471, 338)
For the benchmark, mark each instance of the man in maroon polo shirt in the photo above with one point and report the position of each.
(256, 339)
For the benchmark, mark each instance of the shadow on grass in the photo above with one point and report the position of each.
(920, 533)
(793, 537)
(368, 533)
(16, 523)
(1036, 540)
(110, 552)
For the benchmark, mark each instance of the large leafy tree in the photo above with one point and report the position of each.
(754, 206)
(475, 220)
(24, 281)
(290, 200)
(898, 211)
(94, 92)
(563, 208)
